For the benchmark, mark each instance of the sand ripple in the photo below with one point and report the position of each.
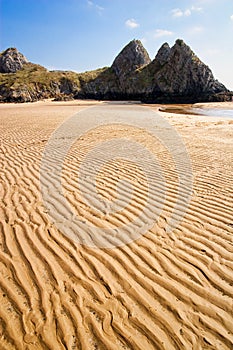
(162, 291)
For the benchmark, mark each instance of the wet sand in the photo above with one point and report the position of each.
(162, 291)
(218, 109)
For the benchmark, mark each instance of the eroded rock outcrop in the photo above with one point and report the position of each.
(11, 60)
(132, 57)
(184, 74)
(163, 54)
(176, 75)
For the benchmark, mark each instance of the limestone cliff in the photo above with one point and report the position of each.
(183, 74)
(132, 57)
(175, 75)
(11, 60)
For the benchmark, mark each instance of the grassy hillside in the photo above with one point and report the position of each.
(34, 82)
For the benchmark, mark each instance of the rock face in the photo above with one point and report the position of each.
(11, 60)
(132, 57)
(163, 54)
(183, 73)
(176, 75)
(121, 80)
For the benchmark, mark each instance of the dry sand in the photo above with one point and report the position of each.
(163, 291)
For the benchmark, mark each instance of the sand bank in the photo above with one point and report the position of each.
(162, 291)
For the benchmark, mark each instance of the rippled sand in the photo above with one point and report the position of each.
(162, 291)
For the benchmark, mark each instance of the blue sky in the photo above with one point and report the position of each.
(82, 35)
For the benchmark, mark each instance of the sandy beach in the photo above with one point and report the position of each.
(164, 290)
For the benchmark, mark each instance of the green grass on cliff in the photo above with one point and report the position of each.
(33, 74)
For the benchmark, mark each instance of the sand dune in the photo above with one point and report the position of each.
(165, 290)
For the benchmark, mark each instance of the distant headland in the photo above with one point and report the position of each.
(175, 75)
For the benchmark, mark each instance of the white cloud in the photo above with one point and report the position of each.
(196, 9)
(162, 32)
(176, 13)
(99, 8)
(211, 52)
(196, 30)
(187, 13)
(94, 6)
(231, 17)
(131, 23)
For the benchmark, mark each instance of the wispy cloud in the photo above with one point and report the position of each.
(94, 6)
(231, 17)
(132, 23)
(211, 52)
(177, 12)
(187, 12)
(153, 35)
(196, 9)
(162, 32)
(196, 30)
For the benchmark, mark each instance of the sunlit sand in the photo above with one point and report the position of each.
(163, 291)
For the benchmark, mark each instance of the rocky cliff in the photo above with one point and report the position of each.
(182, 75)
(133, 57)
(175, 75)
(11, 60)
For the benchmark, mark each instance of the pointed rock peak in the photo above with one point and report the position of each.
(180, 42)
(181, 46)
(163, 54)
(136, 45)
(186, 75)
(11, 60)
(132, 57)
(164, 46)
(10, 50)
(183, 51)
